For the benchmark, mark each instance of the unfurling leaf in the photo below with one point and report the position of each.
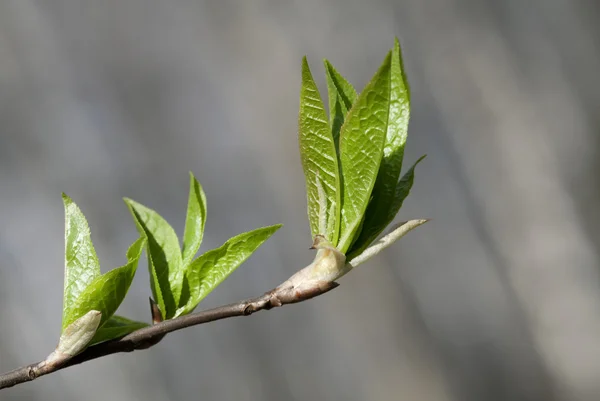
(174, 276)
(368, 235)
(164, 256)
(81, 262)
(209, 270)
(361, 148)
(377, 216)
(106, 292)
(90, 298)
(341, 98)
(319, 158)
(194, 222)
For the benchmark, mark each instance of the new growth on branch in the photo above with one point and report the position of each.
(352, 159)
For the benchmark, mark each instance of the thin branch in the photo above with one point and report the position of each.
(149, 336)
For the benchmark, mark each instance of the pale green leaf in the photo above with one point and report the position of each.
(81, 262)
(377, 214)
(164, 257)
(106, 292)
(116, 327)
(361, 148)
(194, 222)
(319, 158)
(342, 96)
(209, 270)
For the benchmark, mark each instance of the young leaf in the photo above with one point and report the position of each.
(377, 214)
(164, 256)
(106, 292)
(194, 222)
(403, 189)
(81, 262)
(209, 270)
(401, 192)
(116, 327)
(319, 157)
(361, 148)
(342, 96)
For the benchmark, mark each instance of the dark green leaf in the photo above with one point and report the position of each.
(116, 327)
(403, 189)
(341, 98)
(361, 148)
(319, 160)
(401, 192)
(210, 269)
(164, 257)
(194, 222)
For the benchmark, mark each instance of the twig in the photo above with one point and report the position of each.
(148, 336)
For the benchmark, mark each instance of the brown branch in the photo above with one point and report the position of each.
(148, 336)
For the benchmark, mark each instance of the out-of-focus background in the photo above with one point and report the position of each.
(497, 298)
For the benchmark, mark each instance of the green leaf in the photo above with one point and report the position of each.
(377, 214)
(106, 292)
(361, 148)
(81, 262)
(401, 192)
(209, 270)
(319, 159)
(342, 96)
(194, 222)
(116, 327)
(403, 189)
(164, 257)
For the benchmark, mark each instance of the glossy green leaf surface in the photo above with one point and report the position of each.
(195, 221)
(319, 158)
(342, 96)
(164, 257)
(106, 292)
(209, 270)
(377, 214)
(116, 327)
(81, 262)
(361, 149)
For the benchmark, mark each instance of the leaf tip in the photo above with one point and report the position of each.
(306, 74)
(66, 199)
(131, 204)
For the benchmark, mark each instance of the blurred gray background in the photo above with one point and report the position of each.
(497, 298)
